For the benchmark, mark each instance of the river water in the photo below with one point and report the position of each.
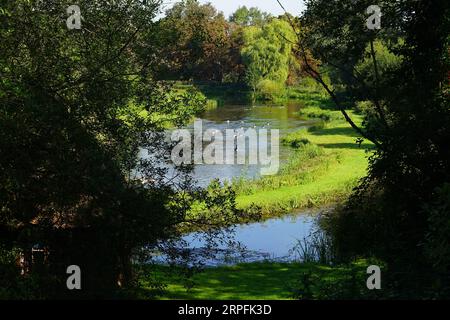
(274, 239)
(283, 118)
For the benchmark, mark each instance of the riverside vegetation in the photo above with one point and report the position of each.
(327, 162)
(78, 107)
(326, 165)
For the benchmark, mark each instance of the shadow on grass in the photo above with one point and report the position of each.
(277, 281)
(362, 146)
(252, 281)
(344, 131)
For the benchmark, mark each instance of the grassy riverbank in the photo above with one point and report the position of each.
(259, 281)
(326, 164)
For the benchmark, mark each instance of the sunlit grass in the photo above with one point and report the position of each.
(253, 281)
(258, 281)
(326, 176)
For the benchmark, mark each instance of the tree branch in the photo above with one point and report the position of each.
(316, 76)
(377, 84)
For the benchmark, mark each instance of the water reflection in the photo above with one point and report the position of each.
(272, 240)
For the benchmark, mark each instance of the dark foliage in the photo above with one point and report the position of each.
(76, 108)
(394, 213)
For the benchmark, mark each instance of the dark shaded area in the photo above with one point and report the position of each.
(362, 146)
(347, 131)
(397, 213)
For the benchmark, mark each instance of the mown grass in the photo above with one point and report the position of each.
(327, 164)
(259, 281)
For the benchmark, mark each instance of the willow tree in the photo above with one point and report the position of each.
(266, 53)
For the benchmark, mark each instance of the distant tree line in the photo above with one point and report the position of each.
(250, 48)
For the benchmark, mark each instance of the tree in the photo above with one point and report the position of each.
(267, 52)
(199, 43)
(402, 71)
(76, 109)
(249, 17)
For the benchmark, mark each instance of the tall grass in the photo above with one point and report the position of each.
(317, 247)
(306, 159)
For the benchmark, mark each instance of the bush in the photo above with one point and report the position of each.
(15, 286)
(364, 107)
(323, 114)
(436, 245)
(270, 90)
(318, 126)
(418, 256)
(338, 282)
(295, 139)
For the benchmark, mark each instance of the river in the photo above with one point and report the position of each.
(274, 239)
(283, 118)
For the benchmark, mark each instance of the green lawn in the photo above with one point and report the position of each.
(260, 281)
(248, 281)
